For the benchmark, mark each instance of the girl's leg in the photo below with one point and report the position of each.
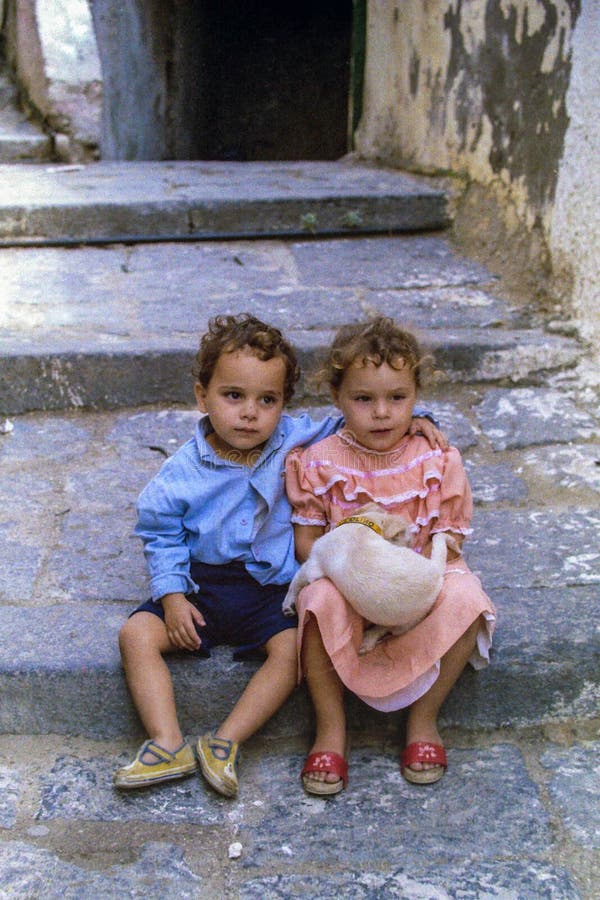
(327, 694)
(142, 642)
(421, 723)
(266, 691)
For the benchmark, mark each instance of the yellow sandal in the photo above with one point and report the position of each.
(218, 760)
(165, 766)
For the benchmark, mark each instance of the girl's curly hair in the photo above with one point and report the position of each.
(378, 341)
(226, 334)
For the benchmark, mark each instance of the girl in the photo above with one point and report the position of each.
(374, 372)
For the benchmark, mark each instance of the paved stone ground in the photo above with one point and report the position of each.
(516, 815)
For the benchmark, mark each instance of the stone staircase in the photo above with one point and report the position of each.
(109, 274)
(20, 139)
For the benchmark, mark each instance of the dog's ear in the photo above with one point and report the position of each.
(369, 508)
(397, 530)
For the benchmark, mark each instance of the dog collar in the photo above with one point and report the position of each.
(361, 520)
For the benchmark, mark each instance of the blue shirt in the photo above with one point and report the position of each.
(202, 507)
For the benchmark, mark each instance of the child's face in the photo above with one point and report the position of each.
(244, 401)
(377, 403)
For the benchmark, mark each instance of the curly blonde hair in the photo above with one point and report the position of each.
(378, 341)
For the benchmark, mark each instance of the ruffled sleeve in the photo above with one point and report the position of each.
(448, 504)
(307, 509)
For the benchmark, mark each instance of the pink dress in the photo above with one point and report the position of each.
(330, 480)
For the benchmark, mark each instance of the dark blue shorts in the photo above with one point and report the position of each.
(238, 611)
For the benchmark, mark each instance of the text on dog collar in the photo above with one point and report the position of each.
(361, 520)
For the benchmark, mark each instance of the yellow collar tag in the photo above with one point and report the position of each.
(361, 520)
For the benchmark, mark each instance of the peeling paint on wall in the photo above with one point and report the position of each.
(523, 98)
(479, 88)
(483, 90)
(575, 227)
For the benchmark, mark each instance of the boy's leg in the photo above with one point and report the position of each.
(327, 694)
(421, 724)
(267, 690)
(142, 642)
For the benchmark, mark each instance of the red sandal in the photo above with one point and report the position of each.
(423, 752)
(325, 761)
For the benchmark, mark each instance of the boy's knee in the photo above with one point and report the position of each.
(127, 635)
(135, 632)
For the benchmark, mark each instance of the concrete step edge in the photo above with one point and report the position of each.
(60, 673)
(54, 379)
(114, 223)
(106, 202)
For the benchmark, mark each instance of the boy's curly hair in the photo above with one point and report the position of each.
(226, 334)
(378, 341)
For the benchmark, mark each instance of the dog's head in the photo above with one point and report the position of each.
(394, 528)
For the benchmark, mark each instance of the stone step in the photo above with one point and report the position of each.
(20, 140)
(517, 807)
(60, 671)
(118, 326)
(71, 571)
(137, 201)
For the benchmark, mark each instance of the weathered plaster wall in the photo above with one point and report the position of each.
(575, 226)
(52, 47)
(487, 89)
(477, 87)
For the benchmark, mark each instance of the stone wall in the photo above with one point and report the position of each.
(134, 41)
(575, 225)
(502, 92)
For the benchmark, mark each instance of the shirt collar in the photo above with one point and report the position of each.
(206, 452)
(346, 437)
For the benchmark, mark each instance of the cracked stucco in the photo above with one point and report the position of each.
(505, 93)
(477, 88)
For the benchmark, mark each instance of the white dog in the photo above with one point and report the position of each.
(367, 558)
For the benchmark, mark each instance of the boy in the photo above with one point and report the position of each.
(219, 543)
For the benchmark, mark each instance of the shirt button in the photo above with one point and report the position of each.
(244, 521)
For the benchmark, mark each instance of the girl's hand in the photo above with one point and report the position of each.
(433, 435)
(180, 619)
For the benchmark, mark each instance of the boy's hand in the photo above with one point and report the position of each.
(180, 619)
(429, 431)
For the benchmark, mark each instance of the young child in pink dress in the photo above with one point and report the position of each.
(374, 372)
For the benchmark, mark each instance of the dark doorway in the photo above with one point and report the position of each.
(279, 77)
(225, 79)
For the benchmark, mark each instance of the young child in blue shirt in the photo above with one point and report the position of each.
(218, 540)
